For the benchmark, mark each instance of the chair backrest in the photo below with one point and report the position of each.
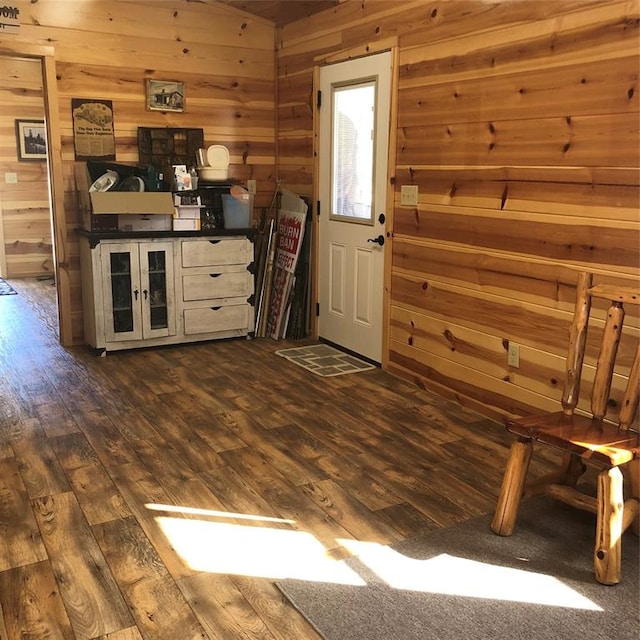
(618, 297)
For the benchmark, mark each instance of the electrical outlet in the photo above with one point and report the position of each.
(251, 186)
(513, 355)
(409, 195)
(11, 178)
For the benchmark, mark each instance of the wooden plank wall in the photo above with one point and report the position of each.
(24, 206)
(106, 50)
(518, 121)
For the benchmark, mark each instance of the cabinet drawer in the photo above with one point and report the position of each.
(206, 286)
(212, 319)
(202, 253)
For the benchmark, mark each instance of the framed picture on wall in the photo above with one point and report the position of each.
(31, 139)
(165, 95)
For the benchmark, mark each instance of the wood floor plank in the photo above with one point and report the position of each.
(362, 485)
(144, 497)
(360, 521)
(404, 483)
(281, 619)
(194, 499)
(91, 596)
(284, 498)
(184, 441)
(222, 609)
(237, 494)
(295, 468)
(109, 444)
(407, 520)
(131, 633)
(3, 627)
(97, 495)
(20, 541)
(31, 594)
(39, 467)
(56, 419)
(158, 606)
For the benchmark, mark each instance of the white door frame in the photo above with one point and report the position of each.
(392, 46)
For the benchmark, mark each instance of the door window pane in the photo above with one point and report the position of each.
(353, 150)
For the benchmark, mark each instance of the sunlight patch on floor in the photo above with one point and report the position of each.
(220, 547)
(192, 511)
(225, 547)
(446, 574)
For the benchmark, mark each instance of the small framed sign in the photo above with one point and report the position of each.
(165, 95)
(31, 139)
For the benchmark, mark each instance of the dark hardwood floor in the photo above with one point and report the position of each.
(160, 493)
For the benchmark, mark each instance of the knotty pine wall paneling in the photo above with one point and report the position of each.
(106, 50)
(518, 121)
(25, 215)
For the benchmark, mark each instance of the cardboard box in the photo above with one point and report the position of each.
(131, 202)
(106, 222)
(187, 212)
(129, 222)
(186, 200)
(186, 224)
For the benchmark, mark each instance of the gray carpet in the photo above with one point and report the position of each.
(6, 289)
(548, 560)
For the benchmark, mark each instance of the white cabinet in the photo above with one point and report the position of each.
(216, 286)
(165, 290)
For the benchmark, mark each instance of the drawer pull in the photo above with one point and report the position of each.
(215, 308)
(214, 241)
(215, 275)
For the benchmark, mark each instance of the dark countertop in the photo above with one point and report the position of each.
(96, 236)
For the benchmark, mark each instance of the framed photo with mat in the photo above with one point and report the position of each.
(165, 95)
(31, 140)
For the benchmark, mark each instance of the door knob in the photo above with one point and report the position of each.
(379, 240)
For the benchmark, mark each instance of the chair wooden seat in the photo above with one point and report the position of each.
(586, 439)
(591, 439)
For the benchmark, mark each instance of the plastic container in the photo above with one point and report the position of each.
(236, 213)
(213, 173)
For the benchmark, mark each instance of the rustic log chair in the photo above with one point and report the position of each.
(613, 448)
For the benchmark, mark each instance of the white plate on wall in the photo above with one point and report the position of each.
(105, 182)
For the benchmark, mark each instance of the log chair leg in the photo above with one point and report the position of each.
(606, 557)
(573, 467)
(515, 473)
(633, 469)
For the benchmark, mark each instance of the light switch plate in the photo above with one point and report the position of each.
(409, 195)
(251, 186)
(11, 178)
(513, 355)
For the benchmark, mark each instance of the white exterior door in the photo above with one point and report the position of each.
(353, 152)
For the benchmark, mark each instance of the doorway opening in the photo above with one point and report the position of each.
(28, 234)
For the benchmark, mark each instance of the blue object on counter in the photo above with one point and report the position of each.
(237, 213)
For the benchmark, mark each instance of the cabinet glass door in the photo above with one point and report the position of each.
(158, 289)
(156, 266)
(121, 292)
